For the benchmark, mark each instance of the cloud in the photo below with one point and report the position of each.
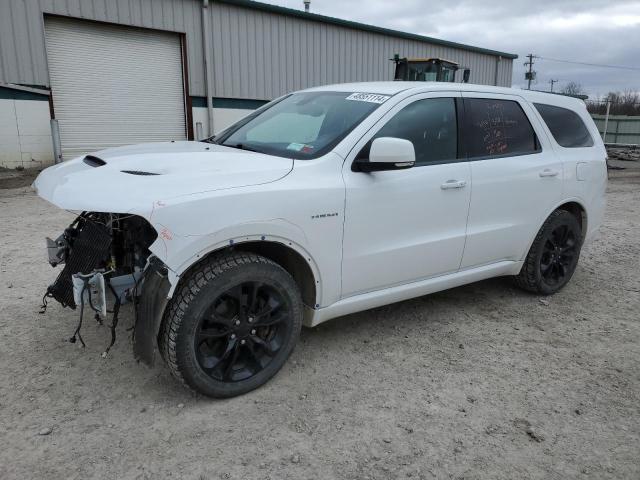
(592, 31)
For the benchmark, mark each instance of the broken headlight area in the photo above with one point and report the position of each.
(103, 257)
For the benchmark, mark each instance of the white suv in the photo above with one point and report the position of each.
(323, 203)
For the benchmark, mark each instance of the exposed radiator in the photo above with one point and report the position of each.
(90, 249)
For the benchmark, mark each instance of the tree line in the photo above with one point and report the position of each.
(622, 103)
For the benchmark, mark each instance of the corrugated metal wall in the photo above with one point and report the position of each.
(257, 54)
(22, 47)
(266, 55)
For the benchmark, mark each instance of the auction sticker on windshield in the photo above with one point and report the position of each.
(368, 97)
(300, 147)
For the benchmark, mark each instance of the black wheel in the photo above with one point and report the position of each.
(231, 325)
(553, 257)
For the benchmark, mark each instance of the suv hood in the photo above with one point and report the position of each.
(130, 179)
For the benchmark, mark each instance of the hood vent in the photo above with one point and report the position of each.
(138, 172)
(93, 161)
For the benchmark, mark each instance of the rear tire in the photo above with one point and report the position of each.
(554, 255)
(231, 325)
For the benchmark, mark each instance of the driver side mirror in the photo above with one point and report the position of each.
(387, 153)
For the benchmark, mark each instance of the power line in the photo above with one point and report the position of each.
(623, 67)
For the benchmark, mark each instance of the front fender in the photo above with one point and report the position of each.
(179, 253)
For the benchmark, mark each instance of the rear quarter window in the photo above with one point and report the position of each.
(565, 125)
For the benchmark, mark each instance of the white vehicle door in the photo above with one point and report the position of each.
(407, 225)
(517, 177)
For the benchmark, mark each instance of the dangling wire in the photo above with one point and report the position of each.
(43, 307)
(114, 321)
(76, 334)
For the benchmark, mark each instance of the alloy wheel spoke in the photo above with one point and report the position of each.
(264, 313)
(544, 268)
(557, 237)
(240, 299)
(270, 307)
(565, 235)
(230, 348)
(565, 259)
(562, 271)
(268, 321)
(253, 357)
(208, 333)
(569, 246)
(263, 344)
(229, 367)
(236, 294)
(553, 271)
(252, 301)
(216, 319)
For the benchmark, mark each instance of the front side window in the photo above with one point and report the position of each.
(497, 128)
(566, 126)
(303, 125)
(431, 125)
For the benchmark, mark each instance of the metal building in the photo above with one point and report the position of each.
(114, 72)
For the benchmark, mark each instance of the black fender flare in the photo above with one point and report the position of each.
(149, 311)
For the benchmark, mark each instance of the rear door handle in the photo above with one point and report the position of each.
(449, 184)
(547, 172)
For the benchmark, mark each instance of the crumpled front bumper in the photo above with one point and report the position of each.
(150, 310)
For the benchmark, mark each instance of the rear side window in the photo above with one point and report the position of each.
(497, 128)
(565, 125)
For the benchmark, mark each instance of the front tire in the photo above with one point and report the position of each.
(553, 257)
(232, 324)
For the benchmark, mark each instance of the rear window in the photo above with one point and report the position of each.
(497, 128)
(565, 125)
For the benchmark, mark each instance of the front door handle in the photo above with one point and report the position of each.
(449, 184)
(547, 172)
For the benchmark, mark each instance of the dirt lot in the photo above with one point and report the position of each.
(483, 381)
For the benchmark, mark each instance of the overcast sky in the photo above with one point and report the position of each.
(592, 31)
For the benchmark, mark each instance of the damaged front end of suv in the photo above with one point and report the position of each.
(145, 218)
(106, 260)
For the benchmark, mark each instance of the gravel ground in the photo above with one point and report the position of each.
(483, 381)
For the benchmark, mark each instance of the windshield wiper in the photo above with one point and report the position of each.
(242, 146)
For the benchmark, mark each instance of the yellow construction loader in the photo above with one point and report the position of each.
(427, 70)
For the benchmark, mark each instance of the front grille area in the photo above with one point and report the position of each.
(90, 249)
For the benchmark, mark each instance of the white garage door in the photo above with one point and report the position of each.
(114, 85)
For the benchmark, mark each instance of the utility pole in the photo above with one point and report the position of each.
(606, 122)
(552, 82)
(530, 75)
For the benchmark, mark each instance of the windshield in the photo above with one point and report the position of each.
(303, 125)
(423, 72)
